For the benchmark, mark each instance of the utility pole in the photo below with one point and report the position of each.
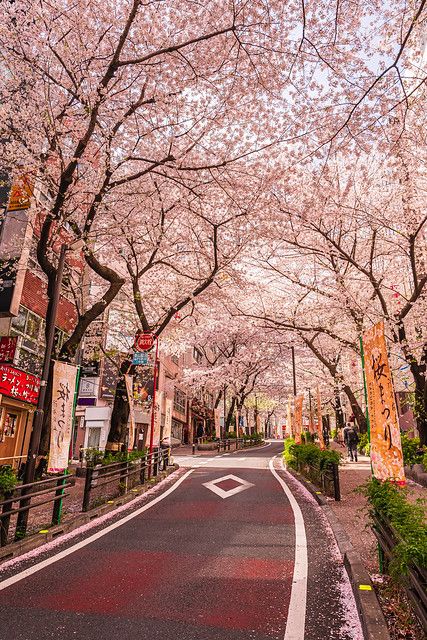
(33, 448)
(294, 373)
(225, 410)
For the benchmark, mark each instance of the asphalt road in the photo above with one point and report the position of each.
(234, 550)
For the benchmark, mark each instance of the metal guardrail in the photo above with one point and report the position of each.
(125, 474)
(326, 478)
(24, 494)
(225, 444)
(415, 583)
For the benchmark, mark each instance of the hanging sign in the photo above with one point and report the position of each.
(319, 420)
(167, 431)
(129, 390)
(63, 390)
(157, 419)
(298, 418)
(386, 447)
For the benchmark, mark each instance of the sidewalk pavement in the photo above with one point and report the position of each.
(352, 510)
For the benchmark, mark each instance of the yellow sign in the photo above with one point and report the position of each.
(20, 194)
(298, 418)
(386, 447)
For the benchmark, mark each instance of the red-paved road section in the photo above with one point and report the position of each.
(194, 566)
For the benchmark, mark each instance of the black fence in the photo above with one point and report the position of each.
(415, 583)
(326, 478)
(121, 477)
(18, 503)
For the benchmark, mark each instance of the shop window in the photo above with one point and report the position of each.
(197, 355)
(30, 329)
(10, 424)
(179, 400)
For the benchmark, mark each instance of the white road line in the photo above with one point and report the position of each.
(295, 623)
(83, 543)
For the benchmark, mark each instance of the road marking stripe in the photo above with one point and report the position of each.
(295, 623)
(83, 543)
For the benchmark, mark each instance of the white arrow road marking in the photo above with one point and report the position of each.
(212, 486)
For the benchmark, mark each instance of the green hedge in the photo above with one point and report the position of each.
(390, 503)
(413, 452)
(299, 454)
(95, 456)
(8, 479)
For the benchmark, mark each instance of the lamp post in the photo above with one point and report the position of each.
(225, 411)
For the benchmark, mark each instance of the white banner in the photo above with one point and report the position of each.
(157, 419)
(217, 418)
(167, 432)
(63, 390)
(129, 389)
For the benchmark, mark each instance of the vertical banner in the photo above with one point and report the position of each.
(319, 420)
(217, 419)
(167, 432)
(289, 429)
(129, 389)
(298, 401)
(63, 389)
(157, 418)
(386, 447)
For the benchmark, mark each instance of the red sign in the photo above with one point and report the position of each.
(7, 348)
(18, 384)
(144, 342)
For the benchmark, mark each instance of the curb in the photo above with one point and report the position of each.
(15, 549)
(371, 616)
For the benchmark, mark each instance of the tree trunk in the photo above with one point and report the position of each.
(421, 408)
(357, 409)
(230, 414)
(117, 436)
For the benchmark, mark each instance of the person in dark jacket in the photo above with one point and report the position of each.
(351, 439)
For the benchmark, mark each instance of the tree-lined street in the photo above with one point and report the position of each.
(195, 565)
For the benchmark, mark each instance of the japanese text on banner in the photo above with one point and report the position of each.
(386, 447)
(63, 389)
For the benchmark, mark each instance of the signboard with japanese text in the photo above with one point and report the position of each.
(144, 342)
(157, 420)
(15, 383)
(63, 389)
(386, 447)
(7, 348)
(167, 431)
(289, 426)
(298, 401)
(20, 194)
(319, 420)
(132, 425)
(217, 419)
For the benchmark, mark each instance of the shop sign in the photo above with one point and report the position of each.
(15, 383)
(132, 425)
(167, 431)
(386, 446)
(20, 194)
(7, 348)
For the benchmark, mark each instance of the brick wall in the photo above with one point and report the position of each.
(34, 298)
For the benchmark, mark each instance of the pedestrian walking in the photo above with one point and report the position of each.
(351, 439)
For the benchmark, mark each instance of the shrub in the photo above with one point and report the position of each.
(412, 451)
(364, 446)
(8, 479)
(300, 454)
(408, 520)
(230, 434)
(334, 433)
(424, 461)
